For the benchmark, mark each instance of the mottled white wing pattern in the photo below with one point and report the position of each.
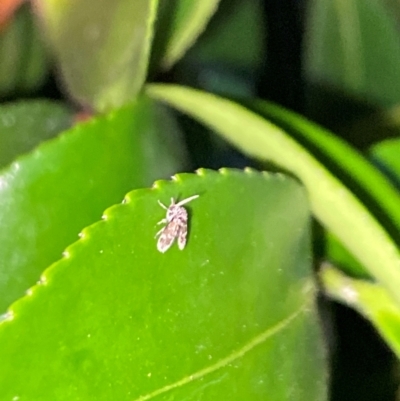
(176, 225)
(182, 234)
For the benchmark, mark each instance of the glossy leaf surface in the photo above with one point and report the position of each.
(49, 195)
(116, 319)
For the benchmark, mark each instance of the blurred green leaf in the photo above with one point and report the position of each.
(353, 46)
(369, 299)
(179, 23)
(234, 36)
(222, 319)
(352, 168)
(332, 203)
(26, 124)
(102, 47)
(23, 62)
(163, 145)
(348, 164)
(49, 195)
(228, 57)
(336, 252)
(387, 156)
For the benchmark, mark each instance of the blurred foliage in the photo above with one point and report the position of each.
(23, 59)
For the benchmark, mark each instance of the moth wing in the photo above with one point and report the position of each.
(167, 236)
(182, 234)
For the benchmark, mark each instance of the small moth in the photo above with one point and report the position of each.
(176, 222)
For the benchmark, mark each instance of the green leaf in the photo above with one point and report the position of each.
(353, 169)
(163, 145)
(48, 196)
(354, 46)
(332, 203)
(227, 58)
(23, 60)
(386, 154)
(222, 319)
(350, 166)
(235, 37)
(26, 124)
(179, 24)
(102, 47)
(369, 299)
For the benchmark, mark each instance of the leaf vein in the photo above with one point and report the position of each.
(230, 358)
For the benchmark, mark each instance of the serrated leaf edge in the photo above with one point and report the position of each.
(85, 234)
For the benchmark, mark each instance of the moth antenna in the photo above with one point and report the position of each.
(162, 205)
(184, 201)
